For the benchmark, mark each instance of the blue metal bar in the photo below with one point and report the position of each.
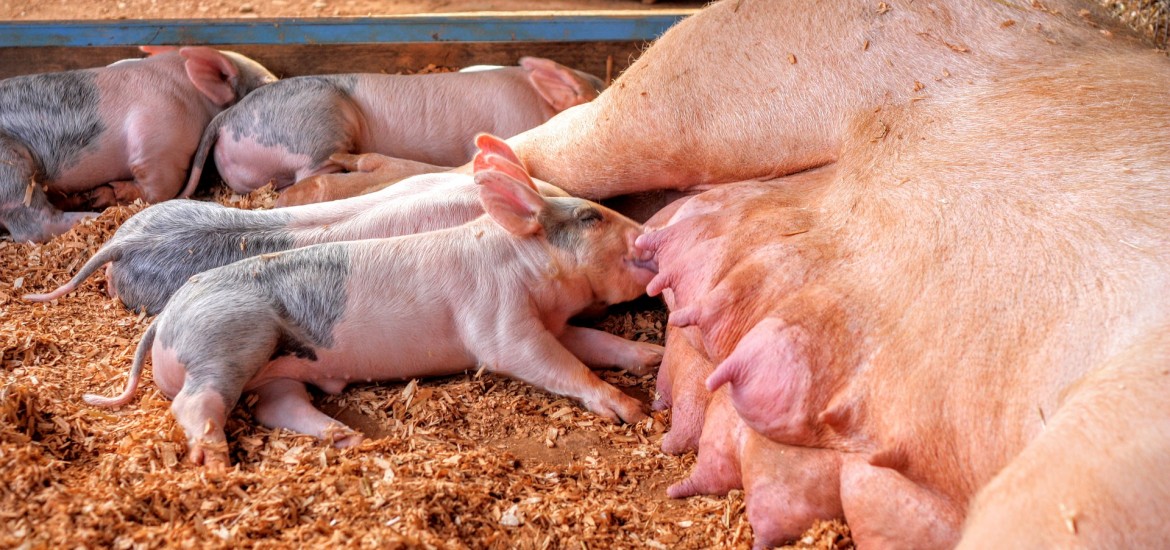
(513, 27)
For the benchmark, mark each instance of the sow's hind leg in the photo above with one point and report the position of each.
(1095, 477)
(25, 210)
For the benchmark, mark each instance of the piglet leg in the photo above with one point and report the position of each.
(202, 412)
(25, 210)
(114, 193)
(598, 348)
(285, 403)
(364, 174)
(158, 174)
(538, 358)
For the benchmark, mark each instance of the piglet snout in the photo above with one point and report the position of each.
(638, 261)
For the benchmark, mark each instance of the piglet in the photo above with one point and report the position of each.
(97, 137)
(495, 292)
(154, 252)
(289, 131)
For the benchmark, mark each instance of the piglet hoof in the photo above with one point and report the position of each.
(343, 436)
(618, 406)
(644, 359)
(307, 191)
(211, 455)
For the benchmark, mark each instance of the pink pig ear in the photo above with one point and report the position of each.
(494, 154)
(212, 73)
(155, 50)
(512, 202)
(488, 143)
(559, 85)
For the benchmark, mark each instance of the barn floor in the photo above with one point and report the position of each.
(465, 461)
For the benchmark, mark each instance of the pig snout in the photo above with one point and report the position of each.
(643, 253)
(640, 262)
(618, 269)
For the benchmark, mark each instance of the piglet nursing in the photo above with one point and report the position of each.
(158, 249)
(495, 292)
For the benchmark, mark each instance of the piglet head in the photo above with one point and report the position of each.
(591, 242)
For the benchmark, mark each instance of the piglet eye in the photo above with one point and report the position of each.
(588, 215)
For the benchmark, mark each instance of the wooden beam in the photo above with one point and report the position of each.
(602, 43)
(297, 60)
(613, 26)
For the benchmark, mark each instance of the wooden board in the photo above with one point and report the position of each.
(598, 42)
(300, 59)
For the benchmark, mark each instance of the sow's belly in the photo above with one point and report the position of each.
(383, 356)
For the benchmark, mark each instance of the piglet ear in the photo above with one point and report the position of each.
(212, 73)
(494, 154)
(155, 50)
(559, 85)
(509, 198)
(488, 143)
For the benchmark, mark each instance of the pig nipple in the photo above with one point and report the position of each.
(643, 254)
(643, 259)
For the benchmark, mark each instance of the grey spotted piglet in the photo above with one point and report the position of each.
(496, 292)
(157, 250)
(287, 132)
(96, 137)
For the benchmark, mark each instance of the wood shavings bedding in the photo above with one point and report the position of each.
(463, 461)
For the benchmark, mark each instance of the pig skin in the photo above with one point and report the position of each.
(980, 287)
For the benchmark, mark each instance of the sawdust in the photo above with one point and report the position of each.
(463, 461)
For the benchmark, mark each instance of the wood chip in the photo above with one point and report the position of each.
(438, 453)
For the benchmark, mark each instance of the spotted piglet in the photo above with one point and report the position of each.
(289, 131)
(109, 135)
(495, 292)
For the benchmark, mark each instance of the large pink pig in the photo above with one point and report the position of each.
(109, 135)
(966, 312)
(496, 292)
(750, 89)
(288, 132)
(952, 320)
